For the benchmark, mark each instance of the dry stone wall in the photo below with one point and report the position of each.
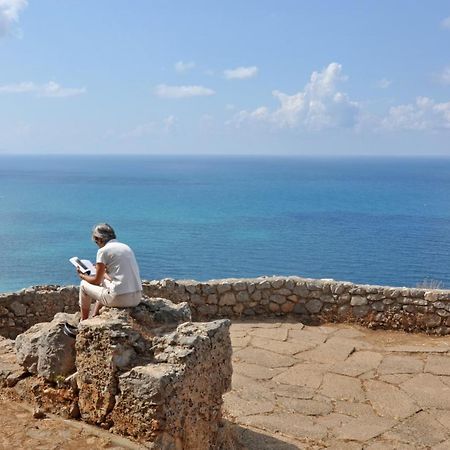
(21, 310)
(312, 301)
(308, 300)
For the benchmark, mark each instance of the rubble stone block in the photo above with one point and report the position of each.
(45, 350)
(176, 401)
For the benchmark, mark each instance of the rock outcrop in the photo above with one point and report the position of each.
(182, 391)
(147, 372)
(45, 350)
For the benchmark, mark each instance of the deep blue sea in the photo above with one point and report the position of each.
(366, 220)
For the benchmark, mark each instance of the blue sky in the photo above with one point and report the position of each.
(286, 77)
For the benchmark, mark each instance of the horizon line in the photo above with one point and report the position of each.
(234, 155)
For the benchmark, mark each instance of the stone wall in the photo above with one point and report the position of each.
(312, 301)
(20, 310)
(308, 300)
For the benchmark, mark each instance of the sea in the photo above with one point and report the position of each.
(371, 220)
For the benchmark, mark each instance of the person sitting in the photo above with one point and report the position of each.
(117, 282)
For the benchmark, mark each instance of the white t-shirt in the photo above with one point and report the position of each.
(121, 266)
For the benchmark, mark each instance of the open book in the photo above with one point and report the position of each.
(84, 265)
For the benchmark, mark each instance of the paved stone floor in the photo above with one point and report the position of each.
(339, 386)
(295, 386)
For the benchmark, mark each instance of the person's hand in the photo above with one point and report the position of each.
(80, 273)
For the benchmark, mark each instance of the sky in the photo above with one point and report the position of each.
(280, 77)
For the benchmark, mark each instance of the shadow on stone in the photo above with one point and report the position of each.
(236, 437)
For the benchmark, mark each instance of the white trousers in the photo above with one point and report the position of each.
(101, 294)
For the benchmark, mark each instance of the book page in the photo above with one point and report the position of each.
(84, 265)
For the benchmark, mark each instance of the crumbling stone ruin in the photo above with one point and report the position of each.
(146, 372)
(152, 375)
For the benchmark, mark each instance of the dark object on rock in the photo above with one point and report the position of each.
(38, 414)
(70, 330)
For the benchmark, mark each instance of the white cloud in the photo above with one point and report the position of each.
(9, 14)
(446, 23)
(164, 126)
(165, 91)
(50, 89)
(424, 114)
(181, 66)
(258, 115)
(18, 88)
(241, 73)
(320, 105)
(384, 83)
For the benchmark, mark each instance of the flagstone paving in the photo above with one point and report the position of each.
(339, 386)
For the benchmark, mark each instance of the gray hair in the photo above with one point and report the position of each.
(104, 232)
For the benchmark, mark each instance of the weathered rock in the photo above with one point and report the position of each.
(277, 283)
(314, 306)
(280, 299)
(300, 309)
(431, 320)
(256, 296)
(358, 300)
(223, 287)
(149, 378)
(287, 307)
(212, 299)
(45, 350)
(242, 297)
(361, 311)
(227, 299)
(112, 343)
(152, 311)
(10, 370)
(240, 286)
(208, 310)
(301, 291)
(105, 344)
(19, 309)
(176, 403)
(263, 285)
(274, 307)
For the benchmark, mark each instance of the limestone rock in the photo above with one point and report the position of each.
(112, 343)
(176, 403)
(10, 370)
(45, 350)
(228, 299)
(153, 311)
(146, 376)
(358, 300)
(104, 345)
(314, 306)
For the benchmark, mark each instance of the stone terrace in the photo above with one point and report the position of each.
(340, 386)
(312, 387)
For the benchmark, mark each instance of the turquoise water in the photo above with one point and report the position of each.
(367, 220)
